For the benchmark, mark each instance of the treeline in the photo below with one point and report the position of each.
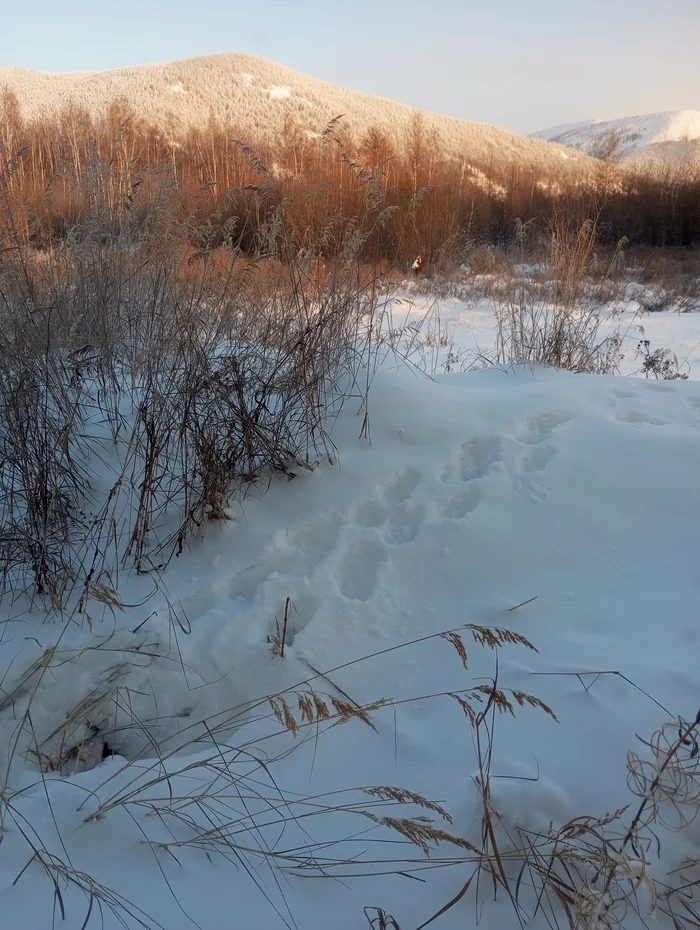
(221, 186)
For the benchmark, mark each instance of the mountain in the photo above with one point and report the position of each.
(673, 136)
(255, 96)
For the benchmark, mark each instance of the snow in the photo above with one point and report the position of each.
(479, 491)
(453, 333)
(555, 132)
(635, 133)
(280, 93)
(482, 180)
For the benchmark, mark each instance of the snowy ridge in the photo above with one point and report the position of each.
(255, 96)
(635, 136)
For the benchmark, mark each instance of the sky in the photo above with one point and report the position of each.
(521, 64)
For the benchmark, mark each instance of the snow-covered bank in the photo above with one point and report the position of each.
(457, 333)
(479, 492)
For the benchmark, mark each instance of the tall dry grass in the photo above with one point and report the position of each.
(554, 318)
(443, 202)
(601, 871)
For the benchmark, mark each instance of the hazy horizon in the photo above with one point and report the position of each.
(522, 69)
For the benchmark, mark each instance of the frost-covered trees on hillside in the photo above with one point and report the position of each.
(60, 166)
(246, 92)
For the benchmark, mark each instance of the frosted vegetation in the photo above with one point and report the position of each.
(257, 97)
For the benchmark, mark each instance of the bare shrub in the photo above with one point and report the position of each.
(661, 363)
(188, 373)
(532, 330)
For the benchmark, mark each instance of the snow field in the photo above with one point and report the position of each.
(480, 491)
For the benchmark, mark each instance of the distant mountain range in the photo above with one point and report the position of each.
(655, 138)
(255, 96)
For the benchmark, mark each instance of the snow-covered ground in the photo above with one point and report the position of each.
(435, 329)
(575, 496)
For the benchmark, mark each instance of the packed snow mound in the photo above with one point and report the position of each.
(631, 137)
(255, 96)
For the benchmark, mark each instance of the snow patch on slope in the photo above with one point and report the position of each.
(280, 93)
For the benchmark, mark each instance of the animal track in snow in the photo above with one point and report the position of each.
(537, 459)
(303, 607)
(390, 509)
(623, 393)
(246, 583)
(694, 404)
(302, 550)
(462, 502)
(534, 433)
(356, 575)
(660, 387)
(638, 416)
(379, 508)
(538, 429)
(404, 524)
(476, 457)
(370, 513)
(349, 545)
(402, 485)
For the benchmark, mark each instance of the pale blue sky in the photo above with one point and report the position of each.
(522, 64)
